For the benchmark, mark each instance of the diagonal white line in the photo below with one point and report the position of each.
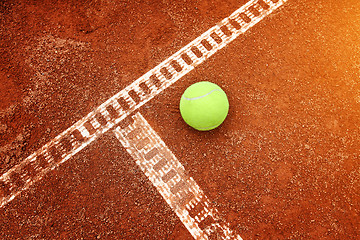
(121, 105)
(169, 177)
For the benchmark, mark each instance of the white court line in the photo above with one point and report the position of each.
(121, 105)
(169, 177)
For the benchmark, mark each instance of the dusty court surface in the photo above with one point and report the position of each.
(284, 165)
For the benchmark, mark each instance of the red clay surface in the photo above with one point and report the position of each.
(284, 165)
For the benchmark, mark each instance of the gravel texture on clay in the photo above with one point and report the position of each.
(284, 164)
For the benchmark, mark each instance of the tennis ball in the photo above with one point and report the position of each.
(204, 106)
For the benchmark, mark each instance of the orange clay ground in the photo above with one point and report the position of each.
(284, 165)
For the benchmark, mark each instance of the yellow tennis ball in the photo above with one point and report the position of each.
(204, 106)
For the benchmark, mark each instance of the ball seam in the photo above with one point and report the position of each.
(202, 96)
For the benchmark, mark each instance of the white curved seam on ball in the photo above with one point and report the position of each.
(196, 98)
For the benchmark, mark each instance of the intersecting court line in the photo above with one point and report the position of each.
(169, 177)
(122, 104)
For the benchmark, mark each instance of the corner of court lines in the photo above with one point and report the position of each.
(151, 154)
(169, 177)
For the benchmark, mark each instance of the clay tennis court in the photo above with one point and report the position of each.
(93, 146)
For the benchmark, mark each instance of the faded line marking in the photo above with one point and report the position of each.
(121, 105)
(179, 190)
